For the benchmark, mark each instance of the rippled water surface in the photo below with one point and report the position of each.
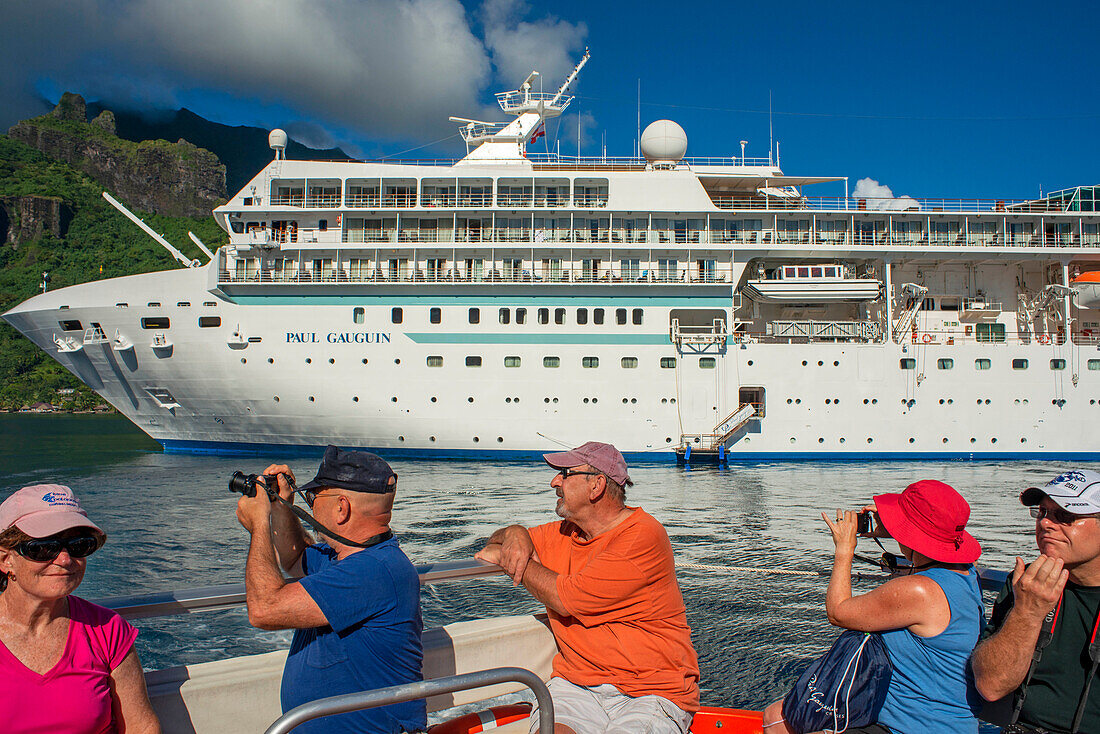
(171, 524)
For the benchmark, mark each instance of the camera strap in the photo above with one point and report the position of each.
(309, 520)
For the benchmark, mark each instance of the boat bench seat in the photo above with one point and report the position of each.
(242, 694)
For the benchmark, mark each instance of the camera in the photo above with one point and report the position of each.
(865, 522)
(246, 484)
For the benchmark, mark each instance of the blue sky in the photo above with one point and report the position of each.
(935, 99)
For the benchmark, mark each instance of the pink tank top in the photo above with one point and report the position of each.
(74, 695)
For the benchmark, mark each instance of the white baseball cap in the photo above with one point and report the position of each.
(1076, 491)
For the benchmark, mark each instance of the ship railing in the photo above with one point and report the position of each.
(287, 200)
(810, 331)
(367, 201)
(885, 205)
(517, 100)
(431, 199)
(323, 201)
(618, 275)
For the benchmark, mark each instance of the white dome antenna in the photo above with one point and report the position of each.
(277, 140)
(664, 143)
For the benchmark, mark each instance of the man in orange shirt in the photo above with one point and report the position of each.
(605, 572)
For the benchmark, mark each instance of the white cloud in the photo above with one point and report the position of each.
(379, 69)
(879, 196)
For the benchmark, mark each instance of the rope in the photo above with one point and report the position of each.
(751, 569)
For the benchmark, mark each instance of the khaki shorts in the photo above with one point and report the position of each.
(604, 710)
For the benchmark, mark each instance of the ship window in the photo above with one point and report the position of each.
(982, 364)
(521, 316)
(505, 316)
(803, 272)
(629, 363)
(206, 322)
(183, 304)
(511, 361)
(817, 272)
(123, 304)
(207, 303)
(620, 316)
(1057, 364)
(435, 360)
(706, 363)
(590, 361)
(1094, 364)
(237, 227)
(907, 363)
(358, 315)
(637, 317)
(154, 304)
(544, 316)
(475, 315)
(928, 304)
(322, 225)
(832, 272)
(551, 361)
(582, 316)
(559, 316)
(70, 325)
(435, 314)
(397, 315)
(473, 361)
(945, 364)
(668, 362)
(597, 316)
(989, 333)
(1019, 364)
(155, 322)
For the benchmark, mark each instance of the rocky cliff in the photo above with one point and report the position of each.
(174, 179)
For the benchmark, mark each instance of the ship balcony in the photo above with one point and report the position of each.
(297, 200)
(330, 200)
(519, 101)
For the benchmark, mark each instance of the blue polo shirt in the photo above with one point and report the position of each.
(371, 600)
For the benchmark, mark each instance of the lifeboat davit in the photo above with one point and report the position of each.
(1087, 286)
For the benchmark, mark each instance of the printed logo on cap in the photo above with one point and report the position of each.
(1070, 476)
(59, 498)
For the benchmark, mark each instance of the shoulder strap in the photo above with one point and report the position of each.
(1046, 634)
(308, 519)
(1094, 656)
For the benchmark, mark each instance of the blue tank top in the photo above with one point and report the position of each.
(932, 687)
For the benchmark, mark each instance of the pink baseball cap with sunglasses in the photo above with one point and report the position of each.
(42, 510)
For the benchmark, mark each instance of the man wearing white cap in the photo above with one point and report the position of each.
(605, 572)
(1041, 644)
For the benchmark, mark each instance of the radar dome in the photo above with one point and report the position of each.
(277, 139)
(664, 141)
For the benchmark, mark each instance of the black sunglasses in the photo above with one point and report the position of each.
(44, 550)
(1057, 515)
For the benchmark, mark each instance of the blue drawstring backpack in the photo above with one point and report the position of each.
(845, 688)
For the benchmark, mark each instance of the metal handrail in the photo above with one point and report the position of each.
(228, 596)
(421, 689)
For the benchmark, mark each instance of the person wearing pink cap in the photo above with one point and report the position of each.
(1040, 654)
(66, 665)
(930, 618)
(605, 572)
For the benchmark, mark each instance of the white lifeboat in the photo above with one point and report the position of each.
(811, 283)
(1087, 287)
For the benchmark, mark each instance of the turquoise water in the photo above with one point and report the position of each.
(171, 524)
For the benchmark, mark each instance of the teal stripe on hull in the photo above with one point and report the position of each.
(470, 338)
(624, 301)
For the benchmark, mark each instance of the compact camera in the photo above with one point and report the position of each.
(246, 484)
(865, 522)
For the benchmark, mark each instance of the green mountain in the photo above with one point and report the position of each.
(243, 150)
(53, 219)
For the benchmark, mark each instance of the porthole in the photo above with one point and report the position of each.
(555, 400)
(789, 401)
(546, 400)
(393, 399)
(309, 361)
(433, 398)
(397, 361)
(842, 440)
(634, 400)
(828, 401)
(798, 401)
(625, 401)
(820, 363)
(664, 400)
(355, 399)
(672, 400)
(979, 401)
(469, 400)
(400, 438)
(803, 363)
(951, 401)
(594, 400)
(865, 401)
(874, 401)
(515, 400)
(500, 439)
(507, 400)
(275, 398)
(431, 438)
(364, 360)
(668, 439)
(973, 440)
(870, 440)
(912, 440)
(311, 398)
(1023, 440)
(586, 401)
(750, 363)
(821, 440)
(244, 361)
(476, 439)
(941, 401)
(836, 364)
(945, 439)
(792, 439)
(331, 360)
(993, 440)
(987, 401)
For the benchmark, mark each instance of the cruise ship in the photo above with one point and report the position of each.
(514, 302)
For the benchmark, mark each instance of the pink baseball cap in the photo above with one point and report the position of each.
(42, 510)
(600, 456)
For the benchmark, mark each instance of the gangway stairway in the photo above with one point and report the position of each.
(914, 297)
(711, 447)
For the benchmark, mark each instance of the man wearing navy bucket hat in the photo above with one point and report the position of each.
(1041, 649)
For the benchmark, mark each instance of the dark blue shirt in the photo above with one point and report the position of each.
(371, 600)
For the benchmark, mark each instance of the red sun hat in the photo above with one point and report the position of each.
(930, 517)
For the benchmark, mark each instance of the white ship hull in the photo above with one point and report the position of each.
(822, 400)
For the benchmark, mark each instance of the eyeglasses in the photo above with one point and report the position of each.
(311, 495)
(44, 550)
(1058, 515)
(566, 473)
